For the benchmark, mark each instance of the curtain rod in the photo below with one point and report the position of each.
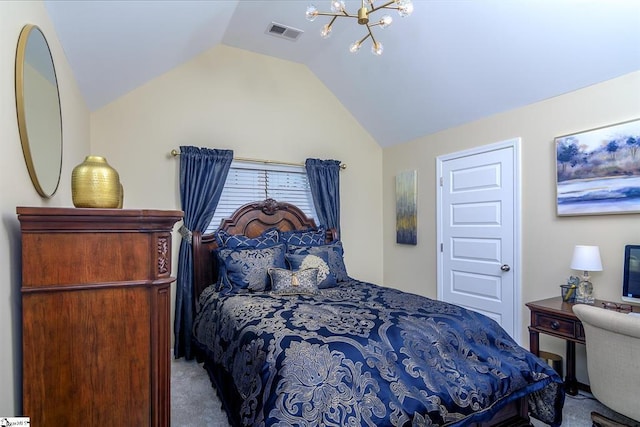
(176, 153)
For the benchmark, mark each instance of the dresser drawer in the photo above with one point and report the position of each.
(557, 326)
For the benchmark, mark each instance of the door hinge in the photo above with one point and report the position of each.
(441, 181)
(441, 247)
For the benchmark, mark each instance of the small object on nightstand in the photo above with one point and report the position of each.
(569, 293)
(569, 289)
(586, 258)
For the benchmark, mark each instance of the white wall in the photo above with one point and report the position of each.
(15, 185)
(547, 240)
(260, 107)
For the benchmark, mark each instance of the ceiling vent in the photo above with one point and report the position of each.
(284, 31)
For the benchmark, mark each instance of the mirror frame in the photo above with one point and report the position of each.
(28, 146)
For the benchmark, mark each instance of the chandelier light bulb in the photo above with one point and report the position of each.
(326, 31)
(312, 13)
(405, 8)
(355, 47)
(385, 21)
(337, 6)
(377, 48)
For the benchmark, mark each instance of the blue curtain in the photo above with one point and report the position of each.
(324, 180)
(203, 172)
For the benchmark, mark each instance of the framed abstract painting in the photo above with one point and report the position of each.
(406, 208)
(598, 171)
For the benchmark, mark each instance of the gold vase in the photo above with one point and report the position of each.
(95, 184)
(120, 197)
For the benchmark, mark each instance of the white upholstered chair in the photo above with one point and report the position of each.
(613, 357)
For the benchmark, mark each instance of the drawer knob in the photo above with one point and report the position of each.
(555, 325)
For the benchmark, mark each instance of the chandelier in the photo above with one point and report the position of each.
(404, 8)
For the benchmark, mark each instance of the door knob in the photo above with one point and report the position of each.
(505, 267)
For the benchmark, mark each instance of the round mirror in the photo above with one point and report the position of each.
(38, 105)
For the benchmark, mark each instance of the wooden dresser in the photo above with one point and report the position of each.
(95, 316)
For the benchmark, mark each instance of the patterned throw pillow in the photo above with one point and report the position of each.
(310, 237)
(326, 279)
(287, 282)
(268, 238)
(249, 268)
(334, 253)
(221, 237)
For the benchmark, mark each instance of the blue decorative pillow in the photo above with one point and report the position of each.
(310, 237)
(334, 253)
(268, 238)
(287, 282)
(221, 237)
(248, 268)
(222, 272)
(326, 279)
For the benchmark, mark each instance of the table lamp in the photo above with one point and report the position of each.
(586, 258)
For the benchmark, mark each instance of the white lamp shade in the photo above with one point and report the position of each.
(586, 258)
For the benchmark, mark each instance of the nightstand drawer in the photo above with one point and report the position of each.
(557, 326)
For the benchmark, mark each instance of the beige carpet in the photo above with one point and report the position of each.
(194, 402)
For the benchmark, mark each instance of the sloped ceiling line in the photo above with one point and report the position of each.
(449, 63)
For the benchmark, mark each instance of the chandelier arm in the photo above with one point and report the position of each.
(375, 24)
(383, 6)
(365, 37)
(337, 15)
(373, 39)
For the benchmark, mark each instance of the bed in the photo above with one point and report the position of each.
(314, 346)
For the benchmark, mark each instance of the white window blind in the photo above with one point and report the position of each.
(248, 182)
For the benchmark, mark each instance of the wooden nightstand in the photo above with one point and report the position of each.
(555, 317)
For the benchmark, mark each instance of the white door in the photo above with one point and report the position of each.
(478, 232)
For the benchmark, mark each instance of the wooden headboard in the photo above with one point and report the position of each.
(249, 220)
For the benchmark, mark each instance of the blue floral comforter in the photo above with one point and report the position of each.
(361, 354)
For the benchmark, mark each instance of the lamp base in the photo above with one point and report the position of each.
(585, 293)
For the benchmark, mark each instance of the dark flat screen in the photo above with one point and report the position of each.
(631, 283)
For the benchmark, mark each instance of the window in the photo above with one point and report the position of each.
(248, 182)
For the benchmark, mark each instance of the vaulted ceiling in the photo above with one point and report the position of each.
(451, 62)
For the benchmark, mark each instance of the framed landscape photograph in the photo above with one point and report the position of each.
(598, 171)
